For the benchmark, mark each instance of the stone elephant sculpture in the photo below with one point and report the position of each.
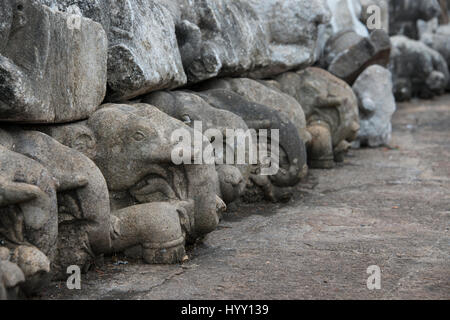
(417, 70)
(131, 144)
(132, 67)
(188, 107)
(436, 37)
(83, 219)
(28, 220)
(376, 101)
(404, 14)
(292, 154)
(263, 92)
(331, 111)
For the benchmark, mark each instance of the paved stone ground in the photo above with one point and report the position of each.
(388, 207)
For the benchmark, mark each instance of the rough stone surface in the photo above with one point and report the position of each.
(35, 266)
(27, 201)
(417, 70)
(83, 182)
(132, 146)
(155, 232)
(52, 65)
(436, 37)
(11, 277)
(261, 93)
(145, 133)
(346, 15)
(444, 17)
(83, 204)
(386, 206)
(258, 116)
(193, 110)
(139, 60)
(373, 88)
(349, 26)
(404, 14)
(291, 30)
(331, 111)
(219, 37)
(4, 253)
(349, 55)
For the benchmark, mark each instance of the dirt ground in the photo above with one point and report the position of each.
(388, 207)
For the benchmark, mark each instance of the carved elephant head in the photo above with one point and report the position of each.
(28, 205)
(331, 111)
(257, 116)
(131, 144)
(82, 197)
(191, 109)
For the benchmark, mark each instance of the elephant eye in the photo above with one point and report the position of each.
(186, 119)
(139, 136)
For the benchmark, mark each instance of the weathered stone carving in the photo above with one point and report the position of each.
(292, 157)
(291, 31)
(35, 266)
(155, 231)
(436, 37)
(27, 201)
(188, 107)
(143, 54)
(262, 93)
(417, 70)
(373, 88)
(404, 14)
(131, 145)
(28, 216)
(23, 270)
(331, 111)
(83, 219)
(144, 134)
(246, 37)
(347, 54)
(50, 69)
(347, 36)
(11, 277)
(219, 37)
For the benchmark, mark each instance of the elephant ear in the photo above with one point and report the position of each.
(75, 136)
(85, 143)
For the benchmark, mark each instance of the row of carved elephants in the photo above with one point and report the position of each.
(106, 182)
(70, 193)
